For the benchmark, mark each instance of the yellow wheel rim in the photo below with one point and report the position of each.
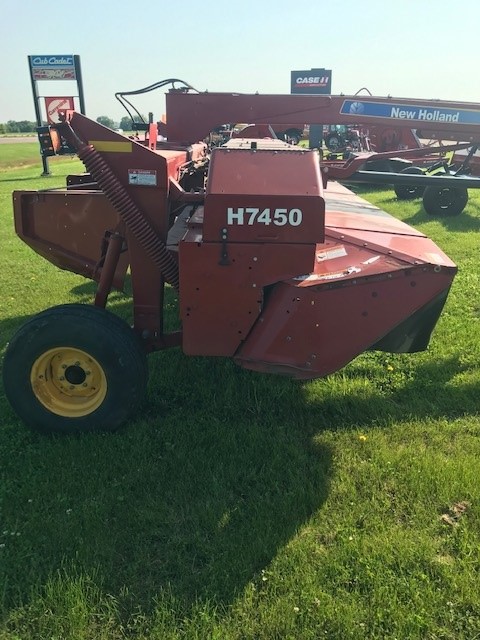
(68, 382)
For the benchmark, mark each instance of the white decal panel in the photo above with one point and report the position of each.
(331, 253)
(249, 216)
(142, 177)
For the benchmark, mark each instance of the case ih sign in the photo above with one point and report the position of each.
(53, 67)
(311, 81)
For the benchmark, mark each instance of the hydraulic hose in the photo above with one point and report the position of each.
(130, 213)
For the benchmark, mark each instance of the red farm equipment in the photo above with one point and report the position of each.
(275, 266)
(395, 127)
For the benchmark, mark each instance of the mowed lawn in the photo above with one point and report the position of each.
(245, 506)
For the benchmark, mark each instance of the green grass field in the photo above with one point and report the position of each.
(245, 506)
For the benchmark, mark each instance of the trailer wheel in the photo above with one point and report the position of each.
(292, 136)
(409, 191)
(444, 201)
(334, 142)
(75, 368)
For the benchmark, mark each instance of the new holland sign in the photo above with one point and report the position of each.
(399, 111)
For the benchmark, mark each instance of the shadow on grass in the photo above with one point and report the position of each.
(428, 393)
(465, 222)
(21, 179)
(197, 495)
(194, 497)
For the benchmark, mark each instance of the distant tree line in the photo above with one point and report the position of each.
(26, 126)
(125, 123)
(21, 126)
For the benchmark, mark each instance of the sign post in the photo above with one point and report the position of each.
(54, 67)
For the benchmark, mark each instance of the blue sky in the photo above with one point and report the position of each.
(412, 48)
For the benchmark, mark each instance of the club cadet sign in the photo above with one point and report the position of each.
(50, 67)
(53, 67)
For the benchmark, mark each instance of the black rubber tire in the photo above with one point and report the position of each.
(445, 201)
(334, 142)
(292, 136)
(117, 355)
(408, 191)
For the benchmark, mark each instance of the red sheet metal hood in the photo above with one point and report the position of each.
(376, 283)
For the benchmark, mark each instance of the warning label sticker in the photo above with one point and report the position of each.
(331, 253)
(142, 177)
